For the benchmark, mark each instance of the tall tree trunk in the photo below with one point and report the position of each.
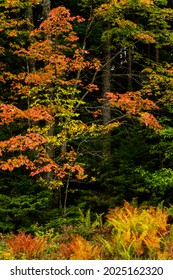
(49, 148)
(46, 9)
(57, 192)
(157, 55)
(129, 69)
(106, 87)
(88, 27)
(30, 62)
(30, 26)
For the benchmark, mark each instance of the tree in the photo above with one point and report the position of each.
(138, 89)
(53, 100)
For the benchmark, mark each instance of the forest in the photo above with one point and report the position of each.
(86, 136)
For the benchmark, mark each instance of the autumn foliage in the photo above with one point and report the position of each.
(128, 233)
(134, 105)
(79, 249)
(24, 246)
(53, 97)
(86, 124)
(137, 232)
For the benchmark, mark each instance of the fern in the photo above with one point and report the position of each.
(79, 249)
(136, 232)
(24, 246)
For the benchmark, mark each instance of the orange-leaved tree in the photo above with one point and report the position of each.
(52, 113)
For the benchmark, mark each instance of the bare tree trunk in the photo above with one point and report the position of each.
(30, 62)
(30, 26)
(46, 8)
(90, 21)
(157, 55)
(29, 15)
(106, 87)
(129, 69)
(66, 195)
(49, 148)
(149, 50)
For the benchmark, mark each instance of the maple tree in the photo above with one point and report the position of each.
(54, 98)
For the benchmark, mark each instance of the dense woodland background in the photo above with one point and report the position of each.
(86, 109)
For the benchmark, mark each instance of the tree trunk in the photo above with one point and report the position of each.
(46, 9)
(106, 87)
(30, 62)
(157, 55)
(50, 150)
(30, 26)
(129, 85)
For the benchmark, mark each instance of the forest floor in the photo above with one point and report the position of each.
(129, 233)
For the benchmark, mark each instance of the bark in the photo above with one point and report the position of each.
(149, 50)
(157, 55)
(30, 62)
(88, 27)
(66, 195)
(129, 69)
(46, 9)
(29, 15)
(30, 26)
(106, 87)
(50, 150)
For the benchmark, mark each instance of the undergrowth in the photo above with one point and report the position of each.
(129, 232)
